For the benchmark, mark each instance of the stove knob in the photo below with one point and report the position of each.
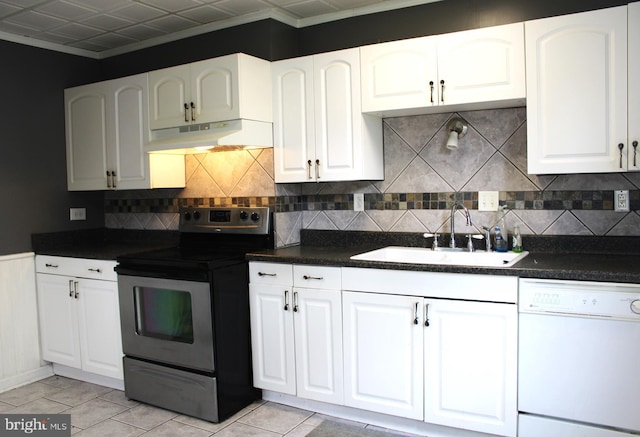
(187, 215)
(196, 215)
(255, 216)
(244, 215)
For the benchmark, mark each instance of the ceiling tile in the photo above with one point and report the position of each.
(241, 7)
(205, 14)
(25, 3)
(54, 37)
(78, 31)
(137, 12)
(17, 29)
(107, 22)
(310, 8)
(173, 5)
(6, 9)
(35, 20)
(141, 32)
(171, 23)
(111, 40)
(101, 5)
(65, 10)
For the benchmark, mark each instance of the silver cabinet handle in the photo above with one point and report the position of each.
(431, 86)
(186, 113)
(426, 315)
(442, 91)
(317, 278)
(114, 183)
(266, 274)
(415, 314)
(70, 287)
(295, 302)
(193, 112)
(309, 169)
(75, 290)
(317, 169)
(108, 179)
(286, 300)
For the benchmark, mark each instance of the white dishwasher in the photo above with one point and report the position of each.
(578, 359)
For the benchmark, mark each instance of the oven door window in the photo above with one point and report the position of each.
(164, 314)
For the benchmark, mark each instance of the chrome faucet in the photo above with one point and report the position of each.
(457, 205)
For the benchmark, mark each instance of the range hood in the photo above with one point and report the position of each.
(223, 135)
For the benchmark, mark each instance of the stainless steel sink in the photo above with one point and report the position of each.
(419, 255)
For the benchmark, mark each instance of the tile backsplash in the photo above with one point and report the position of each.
(422, 178)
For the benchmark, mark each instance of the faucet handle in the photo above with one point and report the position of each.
(435, 243)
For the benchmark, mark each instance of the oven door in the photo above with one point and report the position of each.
(167, 321)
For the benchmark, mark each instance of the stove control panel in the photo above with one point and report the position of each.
(233, 220)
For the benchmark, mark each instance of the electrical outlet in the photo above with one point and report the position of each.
(77, 213)
(621, 200)
(488, 200)
(358, 201)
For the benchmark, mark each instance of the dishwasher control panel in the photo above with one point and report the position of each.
(607, 300)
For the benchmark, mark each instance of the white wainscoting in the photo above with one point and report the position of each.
(20, 361)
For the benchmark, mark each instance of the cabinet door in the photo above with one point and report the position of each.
(634, 85)
(481, 65)
(577, 92)
(470, 364)
(214, 89)
(129, 132)
(338, 116)
(86, 136)
(99, 325)
(318, 338)
(293, 120)
(383, 353)
(399, 75)
(272, 338)
(169, 91)
(57, 315)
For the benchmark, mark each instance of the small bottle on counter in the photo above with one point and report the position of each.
(517, 239)
(501, 243)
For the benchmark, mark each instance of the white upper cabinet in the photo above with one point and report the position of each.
(472, 69)
(106, 130)
(224, 88)
(634, 85)
(320, 133)
(577, 92)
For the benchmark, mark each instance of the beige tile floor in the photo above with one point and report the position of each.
(104, 412)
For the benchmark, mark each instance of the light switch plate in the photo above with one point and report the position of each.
(358, 201)
(621, 200)
(77, 213)
(488, 200)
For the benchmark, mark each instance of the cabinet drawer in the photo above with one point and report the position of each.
(270, 273)
(317, 277)
(77, 267)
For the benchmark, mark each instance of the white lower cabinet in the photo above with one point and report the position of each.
(296, 330)
(448, 359)
(470, 362)
(79, 314)
(383, 354)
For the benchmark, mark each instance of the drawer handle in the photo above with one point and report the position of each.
(620, 147)
(286, 300)
(317, 278)
(295, 302)
(267, 274)
(442, 91)
(53, 266)
(95, 270)
(70, 287)
(426, 315)
(431, 86)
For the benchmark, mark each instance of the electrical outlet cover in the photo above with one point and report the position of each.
(488, 200)
(621, 200)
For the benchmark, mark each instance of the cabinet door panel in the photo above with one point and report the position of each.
(470, 366)
(318, 333)
(482, 65)
(383, 354)
(130, 132)
(577, 105)
(86, 131)
(99, 322)
(399, 75)
(213, 90)
(337, 104)
(272, 338)
(293, 113)
(169, 90)
(59, 336)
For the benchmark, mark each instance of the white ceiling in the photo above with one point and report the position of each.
(102, 28)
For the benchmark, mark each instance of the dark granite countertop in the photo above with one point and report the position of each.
(105, 244)
(569, 258)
